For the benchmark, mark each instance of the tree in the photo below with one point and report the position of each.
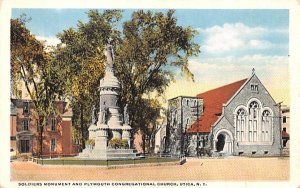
(152, 47)
(150, 110)
(82, 60)
(147, 55)
(31, 64)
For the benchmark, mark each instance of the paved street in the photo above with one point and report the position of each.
(231, 168)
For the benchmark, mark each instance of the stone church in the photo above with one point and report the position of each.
(240, 118)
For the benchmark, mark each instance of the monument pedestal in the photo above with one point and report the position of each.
(110, 123)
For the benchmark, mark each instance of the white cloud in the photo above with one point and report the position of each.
(211, 73)
(224, 70)
(237, 36)
(271, 70)
(259, 44)
(49, 41)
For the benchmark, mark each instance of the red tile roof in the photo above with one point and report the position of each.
(213, 101)
(285, 135)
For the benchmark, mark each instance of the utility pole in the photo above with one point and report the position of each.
(280, 126)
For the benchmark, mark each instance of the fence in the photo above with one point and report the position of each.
(182, 159)
(109, 162)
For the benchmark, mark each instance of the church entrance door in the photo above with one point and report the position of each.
(223, 141)
(220, 142)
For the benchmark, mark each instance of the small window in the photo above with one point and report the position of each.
(241, 153)
(284, 119)
(24, 146)
(253, 152)
(187, 102)
(25, 125)
(254, 87)
(13, 138)
(40, 128)
(53, 124)
(266, 152)
(26, 108)
(53, 144)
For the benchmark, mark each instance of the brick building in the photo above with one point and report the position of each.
(285, 111)
(57, 135)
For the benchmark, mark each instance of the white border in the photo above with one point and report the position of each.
(294, 64)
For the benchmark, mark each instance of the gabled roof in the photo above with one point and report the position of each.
(68, 112)
(213, 103)
(285, 135)
(13, 109)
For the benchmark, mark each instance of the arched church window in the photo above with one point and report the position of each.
(240, 124)
(253, 109)
(253, 121)
(175, 119)
(266, 126)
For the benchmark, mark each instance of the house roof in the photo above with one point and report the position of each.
(213, 103)
(68, 112)
(285, 135)
(13, 109)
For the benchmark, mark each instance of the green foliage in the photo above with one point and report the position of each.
(150, 50)
(118, 143)
(124, 143)
(82, 61)
(31, 64)
(115, 142)
(91, 142)
(152, 47)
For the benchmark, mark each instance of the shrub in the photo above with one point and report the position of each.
(118, 143)
(90, 142)
(115, 143)
(124, 143)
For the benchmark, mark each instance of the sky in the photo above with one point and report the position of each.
(232, 43)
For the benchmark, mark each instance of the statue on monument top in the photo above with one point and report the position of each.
(109, 53)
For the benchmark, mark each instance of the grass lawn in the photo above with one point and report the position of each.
(79, 161)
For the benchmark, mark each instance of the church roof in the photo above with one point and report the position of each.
(212, 107)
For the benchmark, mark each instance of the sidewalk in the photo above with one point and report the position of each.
(231, 168)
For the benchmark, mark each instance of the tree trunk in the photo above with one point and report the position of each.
(82, 127)
(144, 143)
(40, 130)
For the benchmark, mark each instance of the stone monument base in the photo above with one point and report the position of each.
(110, 154)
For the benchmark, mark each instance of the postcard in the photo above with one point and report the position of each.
(150, 94)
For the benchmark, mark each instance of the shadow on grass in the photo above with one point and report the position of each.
(78, 161)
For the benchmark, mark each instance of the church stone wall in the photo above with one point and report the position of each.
(223, 124)
(183, 112)
(182, 115)
(266, 100)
